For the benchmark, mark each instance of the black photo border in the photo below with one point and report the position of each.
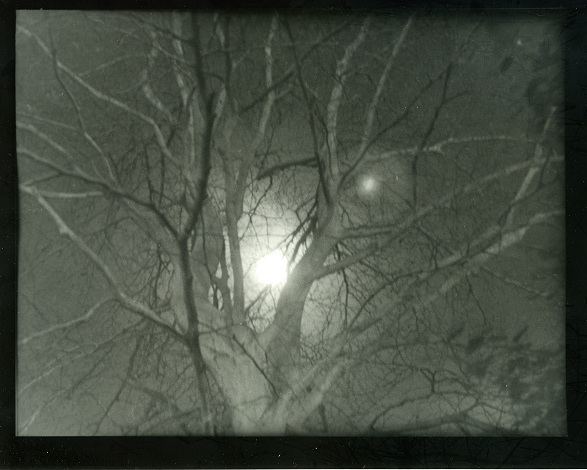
(307, 452)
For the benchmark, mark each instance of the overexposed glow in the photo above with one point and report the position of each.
(368, 185)
(271, 269)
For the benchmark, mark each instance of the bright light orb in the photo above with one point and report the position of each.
(368, 185)
(271, 269)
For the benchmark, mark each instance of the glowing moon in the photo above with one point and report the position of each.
(271, 269)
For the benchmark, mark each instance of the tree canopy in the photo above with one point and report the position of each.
(245, 223)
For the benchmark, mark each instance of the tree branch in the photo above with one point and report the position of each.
(290, 71)
(84, 318)
(346, 262)
(397, 228)
(78, 173)
(128, 302)
(80, 119)
(103, 97)
(340, 77)
(371, 110)
(308, 162)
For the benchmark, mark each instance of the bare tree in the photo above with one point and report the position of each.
(276, 224)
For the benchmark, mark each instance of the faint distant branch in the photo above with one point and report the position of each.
(177, 45)
(439, 146)
(89, 314)
(48, 140)
(290, 71)
(161, 141)
(114, 61)
(340, 76)
(396, 228)
(274, 86)
(53, 397)
(222, 32)
(368, 128)
(131, 304)
(346, 262)
(65, 195)
(270, 100)
(506, 236)
(246, 162)
(378, 290)
(172, 34)
(152, 393)
(259, 297)
(312, 115)
(80, 119)
(222, 282)
(121, 387)
(148, 90)
(202, 88)
(308, 162)
(256, 364)
(395, 406)
(463, 263)
(313, 386)
(444, 100)
(46, 121)
(516, 283)
(199, 183)
(533, 171)
(307, 226)
(83, 176)
(474, 263)
(72, 358)
(456, 418)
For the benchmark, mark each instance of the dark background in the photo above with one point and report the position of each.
(308, 452)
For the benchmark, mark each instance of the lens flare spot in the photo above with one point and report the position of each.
(368, 185)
